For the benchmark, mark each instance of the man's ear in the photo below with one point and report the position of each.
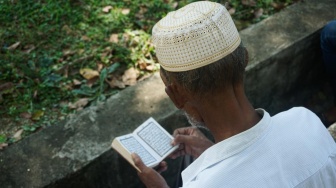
(176, 95)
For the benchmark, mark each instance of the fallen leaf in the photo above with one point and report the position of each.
(81, 51)
(35, 94)
(67, 29)
(3, 145)
(129, 77)
(142, 65)
(6, 88)
(85, 38)
(142, 11)
(278, 6)
(125, 11)
(17, 135)
(100, 66)
(28, 48)
(250, 3)
(107, 9)
(88, 73)
(115, 83)
(92, 81)
(68, 52)
(37, 115)
(114, 38)
(14, 46)
(25, 115)
(104, 56)
(79, 104)
(232, 11)
(258, 13)
(175, 4)
(150, 67)
(76, 82)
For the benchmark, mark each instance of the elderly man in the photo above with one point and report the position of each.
(203, 64)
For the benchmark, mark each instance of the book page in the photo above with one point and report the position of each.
(133, 146)
(156, 138)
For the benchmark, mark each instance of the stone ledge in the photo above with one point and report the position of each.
(285, 67)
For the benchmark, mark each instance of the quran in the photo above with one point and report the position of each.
(150, 141)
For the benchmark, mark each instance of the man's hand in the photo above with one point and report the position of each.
(192, 142)
(148, 176)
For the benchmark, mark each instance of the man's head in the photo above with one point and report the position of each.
(200, 53)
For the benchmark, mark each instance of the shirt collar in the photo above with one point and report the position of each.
(227, 147)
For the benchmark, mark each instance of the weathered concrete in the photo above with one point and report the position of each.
(285, 56)
(285, 67)
(68, 149)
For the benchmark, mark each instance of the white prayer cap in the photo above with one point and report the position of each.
(194, 36)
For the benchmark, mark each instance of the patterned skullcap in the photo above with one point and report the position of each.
(194, 36)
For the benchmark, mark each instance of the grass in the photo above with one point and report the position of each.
(54, 53)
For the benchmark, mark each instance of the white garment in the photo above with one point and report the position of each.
(290, 149)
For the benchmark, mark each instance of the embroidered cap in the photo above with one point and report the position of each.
(194, 36)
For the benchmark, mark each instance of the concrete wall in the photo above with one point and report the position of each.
(285, 68)
(285, 56)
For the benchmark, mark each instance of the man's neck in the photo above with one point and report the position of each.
(228, 113)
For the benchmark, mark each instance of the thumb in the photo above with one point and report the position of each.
(138, 162)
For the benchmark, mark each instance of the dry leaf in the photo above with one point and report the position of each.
(28, 48)
(142, 65)
(130, 77)
(258, 13)
(81, 51)
(125, 11)
(250, 3)
(104, 55)
(142, 11)
(88, 73)
(107, 9)
(3, 145)
(92, 81)
(67, 29)
(37, 115)
(175, 4)
(25, 115)
(17, 135)
(85, 38)
(126, 37)
(100, 66)
(35, 94)
(76, 82)
(68, 52)
(114, 38)
(232, 11)
(79, 104)
(6, 88)
(115, 83)
(14, 46)
(150, 67)
(278, 6)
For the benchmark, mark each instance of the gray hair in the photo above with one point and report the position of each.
(213, 77)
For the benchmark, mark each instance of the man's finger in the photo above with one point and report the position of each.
(177, 154)
(138, 162)
(161, 167)
(182, 131)
(182, 139)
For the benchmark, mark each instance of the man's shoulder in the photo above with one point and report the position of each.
(297, 115)
(297, 111)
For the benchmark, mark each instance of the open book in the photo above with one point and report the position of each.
(150, 141)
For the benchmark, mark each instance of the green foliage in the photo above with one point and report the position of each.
(44, 44)
(3, 138)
